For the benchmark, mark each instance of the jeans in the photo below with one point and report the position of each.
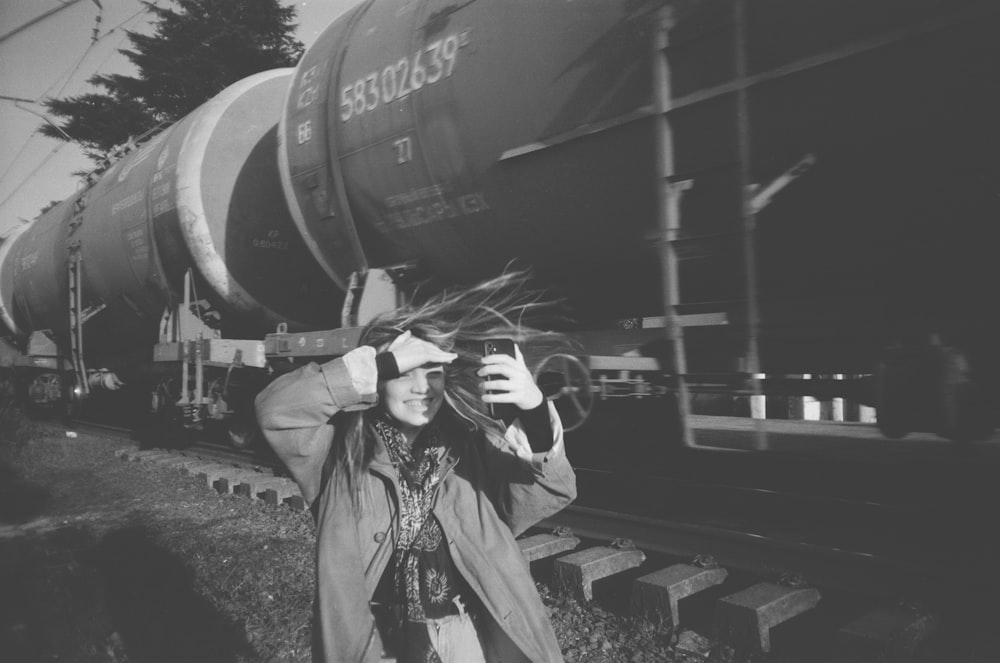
(455, 639)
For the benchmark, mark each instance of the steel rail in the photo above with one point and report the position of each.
(867, 573)
(739, 547)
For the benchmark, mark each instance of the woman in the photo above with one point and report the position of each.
(417, 492)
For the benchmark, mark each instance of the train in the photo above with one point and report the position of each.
(739, 200)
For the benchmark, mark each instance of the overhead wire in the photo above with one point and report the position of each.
(37, 19)
(34, 171)
(13, 161)
(67, 79)
(54, 151)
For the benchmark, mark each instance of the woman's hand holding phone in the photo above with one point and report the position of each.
(507, 378)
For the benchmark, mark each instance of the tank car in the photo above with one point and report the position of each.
(462, 136)
(186, 237)
(793, 188)
(733, 195)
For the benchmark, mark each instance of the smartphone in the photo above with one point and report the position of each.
(498, 346)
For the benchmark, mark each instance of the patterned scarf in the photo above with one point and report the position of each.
(417, 466)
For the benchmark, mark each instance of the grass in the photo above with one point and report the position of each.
(103, 560)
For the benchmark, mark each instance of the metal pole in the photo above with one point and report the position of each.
(78, 313)
(749, 218)
(668, 216)
(199, 372)
(181, 333)
(76, 318)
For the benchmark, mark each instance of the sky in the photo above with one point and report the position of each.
(47, 49)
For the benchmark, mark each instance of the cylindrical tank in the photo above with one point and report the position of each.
(463, 136)
(34, 285)
(8, 326)
(222, 178)
(202, 195)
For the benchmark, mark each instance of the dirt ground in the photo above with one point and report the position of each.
(104, 560)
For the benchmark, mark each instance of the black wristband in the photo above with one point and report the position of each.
(537, 427)
(385, 363)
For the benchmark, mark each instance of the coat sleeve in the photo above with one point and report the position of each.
(294, 411)
(528, 487)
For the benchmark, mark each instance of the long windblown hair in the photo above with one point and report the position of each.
(458, 321)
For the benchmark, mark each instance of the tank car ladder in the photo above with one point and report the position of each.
(669, 233)
(669, 193)
(77, 314)
(76, 318)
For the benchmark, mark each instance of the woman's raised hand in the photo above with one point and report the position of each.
(412, 352)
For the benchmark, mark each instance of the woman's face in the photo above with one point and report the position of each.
(414, 398)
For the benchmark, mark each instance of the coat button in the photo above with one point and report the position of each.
(379, 537)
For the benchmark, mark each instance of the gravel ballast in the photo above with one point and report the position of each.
(107, 560)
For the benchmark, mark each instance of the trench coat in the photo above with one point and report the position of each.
(489, 493)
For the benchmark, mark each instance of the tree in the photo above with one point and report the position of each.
(193, 53)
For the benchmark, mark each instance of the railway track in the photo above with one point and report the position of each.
(750, 582)
(198, 448)
(857, 564)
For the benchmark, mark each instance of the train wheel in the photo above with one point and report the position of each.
(566, 382)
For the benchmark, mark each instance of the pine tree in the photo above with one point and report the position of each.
(193, 53)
